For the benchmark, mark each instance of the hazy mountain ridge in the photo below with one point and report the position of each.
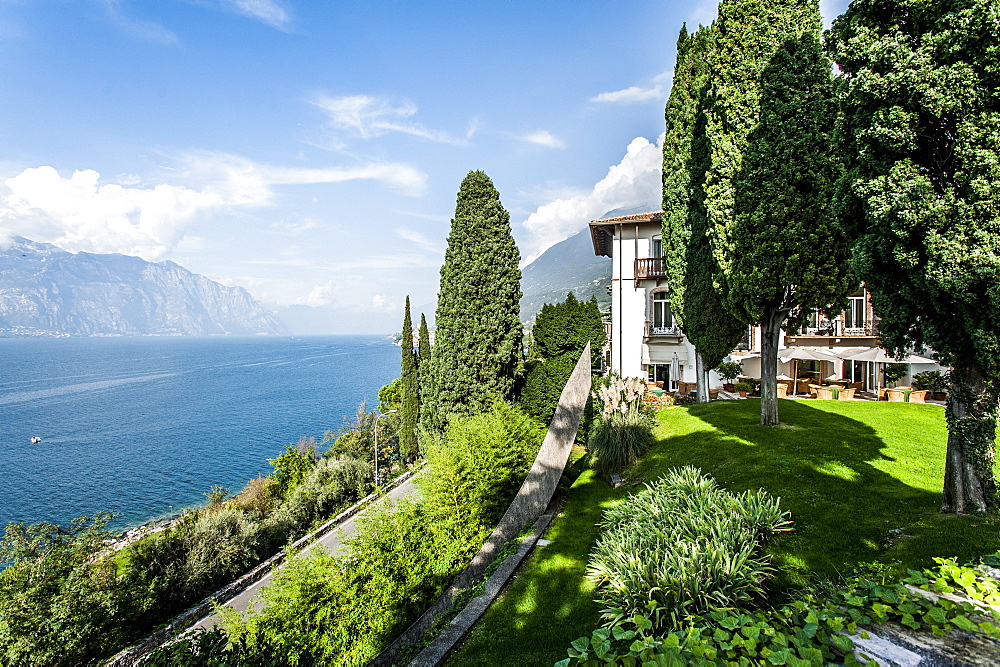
(47, 291)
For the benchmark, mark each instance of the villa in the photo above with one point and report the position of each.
(644, 339)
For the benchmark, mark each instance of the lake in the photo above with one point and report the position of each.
(146, 426)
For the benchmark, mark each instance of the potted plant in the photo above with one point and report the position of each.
(934, 382)
(743, 388)
(729, 370)
(893, 373)
(754, 386)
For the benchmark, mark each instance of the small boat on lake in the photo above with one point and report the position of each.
(35, 440)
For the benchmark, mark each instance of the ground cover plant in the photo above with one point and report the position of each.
(860, 479)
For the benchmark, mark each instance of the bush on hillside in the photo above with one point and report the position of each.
(480, 463)
(683, 547)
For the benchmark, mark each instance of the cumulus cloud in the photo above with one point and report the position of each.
(266, 11)
(368, 117)
(543, 138)
(82, 213)
(656, 90)
(322, 295)
(633, 181)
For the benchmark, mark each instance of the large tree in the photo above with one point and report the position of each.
(477, 341)
(788, 256)
(409, 404)
(690, 266)
(560, 333)
(921, 201)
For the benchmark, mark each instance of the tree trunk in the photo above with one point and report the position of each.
(701, 375)
(770, 332)
(969, 483)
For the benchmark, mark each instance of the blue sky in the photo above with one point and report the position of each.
(311, 151)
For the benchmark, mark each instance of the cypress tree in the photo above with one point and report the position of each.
(423, 349)
(690, 266)
(921, 202)
(409, 406)
(560, 333)
(477, 346)
(787, 254)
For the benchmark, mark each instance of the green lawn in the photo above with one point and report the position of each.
(850, 472)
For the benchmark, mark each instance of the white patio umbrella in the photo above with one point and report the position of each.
(808, 353)
(675, 371)
(879, 356)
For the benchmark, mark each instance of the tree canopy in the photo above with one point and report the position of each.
(921, 200)
(560, 333)
(409, 405)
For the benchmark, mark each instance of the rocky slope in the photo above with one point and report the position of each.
(48, 291)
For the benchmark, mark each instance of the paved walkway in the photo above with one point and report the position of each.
(330, 542)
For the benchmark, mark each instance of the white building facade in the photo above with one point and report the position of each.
(645, 341)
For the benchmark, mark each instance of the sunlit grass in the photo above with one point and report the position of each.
(862, 480)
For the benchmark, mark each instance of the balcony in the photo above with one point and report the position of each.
(662, 331)
(650, 267)
(834, 333)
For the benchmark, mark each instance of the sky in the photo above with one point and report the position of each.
(311, 152)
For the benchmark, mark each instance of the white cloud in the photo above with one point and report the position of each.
(147, 31)
(633, 181)
(543, 138)
(81, 213)
(419, 240)
(322, 295)
(266, 11)
(368, 117)
(657, 90)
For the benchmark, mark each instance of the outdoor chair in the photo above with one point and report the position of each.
(918, 396)
(856, 386)
(802, 386)
(895, 395)
(846, 394)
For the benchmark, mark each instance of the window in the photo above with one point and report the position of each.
(660, 373)
(663, 319)
(656, 248)
(854, 316)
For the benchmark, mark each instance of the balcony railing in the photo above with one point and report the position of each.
(669, 330)
(650, 267)
(837, 328)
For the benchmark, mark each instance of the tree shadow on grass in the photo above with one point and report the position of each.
(848, 472)
(859, 478)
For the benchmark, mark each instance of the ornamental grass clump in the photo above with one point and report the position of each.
(683, 547)
(623, 432)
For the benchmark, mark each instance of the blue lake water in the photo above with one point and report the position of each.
(139, 425)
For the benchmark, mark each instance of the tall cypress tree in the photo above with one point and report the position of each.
(690, 266)
(423, 349)
(921, 202)
(477, 345)
(409, 406)
(788, 256)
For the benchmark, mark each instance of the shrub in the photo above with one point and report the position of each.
(683, 547)
(331, 484)
(480, 463)
(618, 441)
(257, 497)
(931, 381)
(893, 373)
(743, 386)
(293, 464)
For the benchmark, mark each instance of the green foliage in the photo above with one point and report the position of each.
(729, 370)
(695, 299)
(810, 630)
(743, 386)
(477, 348)
(215, 648)
(921, 133)
(60, 603)
(894, 372)
(931, 381)
(293, 464)
(619, 440)
(409, 405)
(479, 465)
(356, 439)
(560, 333)
(216, 495)
(390, 395)
(702, 550)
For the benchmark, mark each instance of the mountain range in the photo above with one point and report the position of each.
(47, 291)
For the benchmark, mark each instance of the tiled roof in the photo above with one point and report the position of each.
(651, 216)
